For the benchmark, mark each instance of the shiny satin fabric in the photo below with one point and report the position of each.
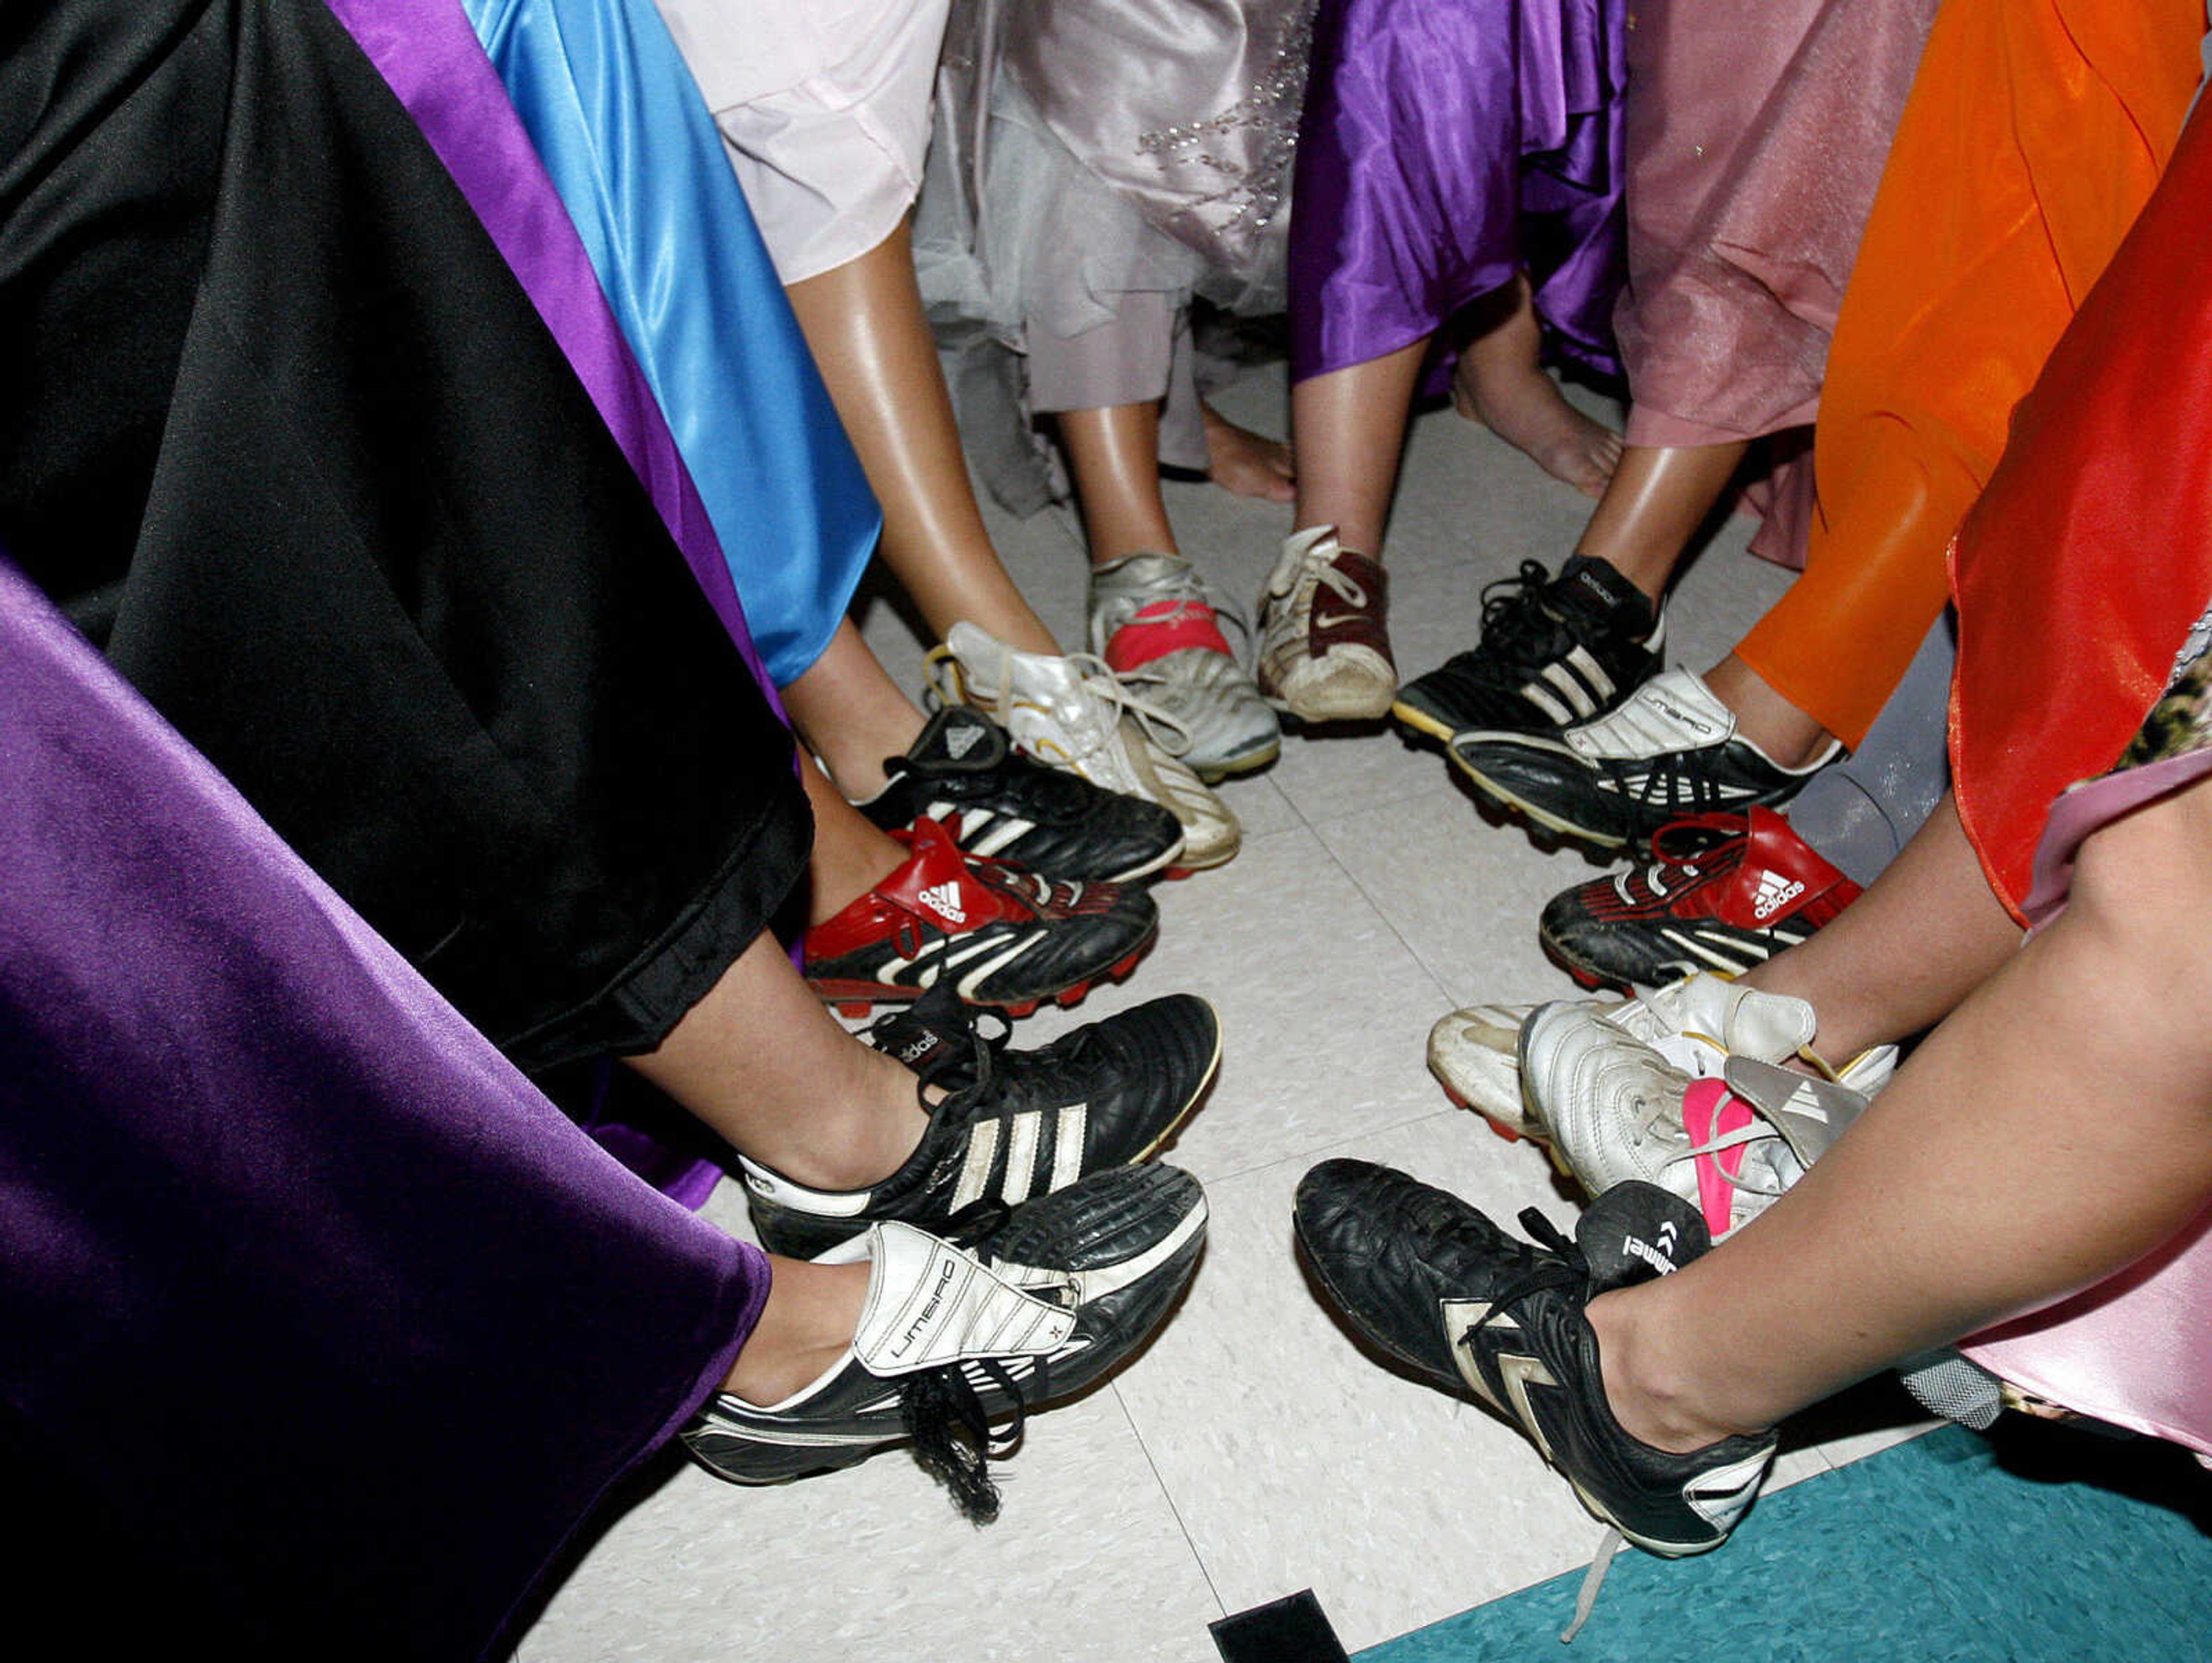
(1446, 144)
(1756, 134)
(379, 556)
(626, 137)
(330, 1323)
(1187, 108)
(2032, 135)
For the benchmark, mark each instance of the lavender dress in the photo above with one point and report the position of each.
(1447, 144)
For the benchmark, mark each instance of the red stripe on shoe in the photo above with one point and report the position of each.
(1162, 628)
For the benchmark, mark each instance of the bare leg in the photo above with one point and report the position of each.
(852, 713)
(1348, 428)
(1762, 716)
(1900, 958)
(865, 325)
(1247, 464)
(1655, 504)
(851, 854)
(1500, 382)
(1114, 454)
(762, 1062)
(2058, 1127)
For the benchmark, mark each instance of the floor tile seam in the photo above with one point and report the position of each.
(1446, 1001)
(1420, 794)
(1167, 1495)
(1323, 1150)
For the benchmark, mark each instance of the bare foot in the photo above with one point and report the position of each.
(1246, 463)
(1499, 381)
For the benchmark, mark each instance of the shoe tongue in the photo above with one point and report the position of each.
(1595, 587)
(956, 738)
(1809, 1113)
(937, 882)
(1637, 1231)
(929, 1304)
(933, 1034)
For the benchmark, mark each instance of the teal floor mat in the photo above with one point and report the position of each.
(2039, 1543)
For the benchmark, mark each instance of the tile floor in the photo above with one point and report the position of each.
(1251, 1451)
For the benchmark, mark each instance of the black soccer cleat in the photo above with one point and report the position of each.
(964, 773)
(1015, 1124)
(1553, 652)
(1437, 1286)
(958, 1337)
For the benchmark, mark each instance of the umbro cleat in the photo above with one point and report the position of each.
(1071, 712)
(1728, 1133)
(1721, 892)
(1435, 1284)
(1324, 647)
(1669, 749)
(959, 1337)
(1013, 1124)
(1554, 651)
(996, 802)
(1158, 628)
(994, 935)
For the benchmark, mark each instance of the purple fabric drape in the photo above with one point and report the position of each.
(1445, 145)
(429, 54)
(301, 1282)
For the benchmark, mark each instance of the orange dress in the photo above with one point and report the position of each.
(2035, 131)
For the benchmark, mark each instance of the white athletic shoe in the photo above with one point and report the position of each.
(1703, 1109)
(1071, 712)
(1159, 629)
(1324, 640)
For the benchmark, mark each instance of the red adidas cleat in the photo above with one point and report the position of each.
(999, 936)
(1721, 892)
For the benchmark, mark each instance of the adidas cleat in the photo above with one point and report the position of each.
(958, 1337)
(994, 935)
(1726, 1133)
(1721, 892)
(1014, 1125)
(1436, 1286)
(996, 802)
(1669, 750)
(1554, 651)
(1071, 712)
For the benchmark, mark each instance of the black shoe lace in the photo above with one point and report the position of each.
(943, 1414)
(1519, 631)
(1550, 1260)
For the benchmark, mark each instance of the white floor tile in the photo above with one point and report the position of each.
(1086, 1563)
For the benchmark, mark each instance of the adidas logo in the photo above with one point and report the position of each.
(1775, 892)
(959, 741)
(944, 900)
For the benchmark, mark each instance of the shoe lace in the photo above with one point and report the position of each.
(944, 1415)
(1519, 632)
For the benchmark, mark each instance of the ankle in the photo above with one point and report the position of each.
(1657, 1401)
(870, 1119)
(804, 1331)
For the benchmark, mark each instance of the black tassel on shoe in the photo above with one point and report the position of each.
(952, 1436)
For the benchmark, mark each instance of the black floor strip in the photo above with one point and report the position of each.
(1290, 1630)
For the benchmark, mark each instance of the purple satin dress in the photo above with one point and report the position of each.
(1447, 144)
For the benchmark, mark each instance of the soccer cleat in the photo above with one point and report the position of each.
(994, 935)
(1554, 651)
(1721, 892)
(996, 802)
(1158, 628)
(1668, 750)
(1475, 1051)
(956, 1336)
(1013, 1124)
(1474, 1054)
(1070, 713)
(1433, 1282)
(1727, 1133)
(1324, 649)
